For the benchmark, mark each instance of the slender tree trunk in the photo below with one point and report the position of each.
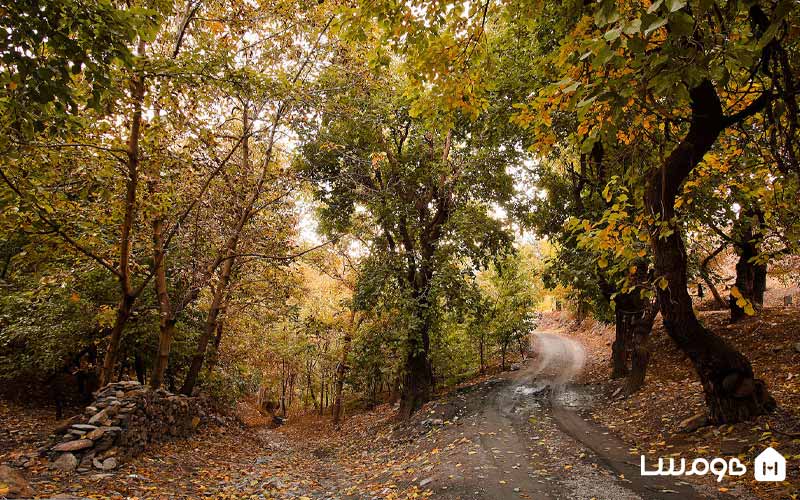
(210, 325)
(292, 376)
(341, 368)
(640, 349)
(126, 302)
(166, 322)
(214, 358)
(481, 349)
(751, 276)
(284, 382)
(707, 279)
(229, 257)
(732, 392)
(624, 313)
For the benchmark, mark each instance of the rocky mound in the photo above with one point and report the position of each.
(122, 421)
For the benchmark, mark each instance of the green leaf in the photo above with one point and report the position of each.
(658, 22)
(633, 27)
(674, 5)
(654, 6)
(681, 23)
(606, 13)
(612, 34)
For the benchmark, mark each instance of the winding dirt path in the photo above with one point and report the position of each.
(530, 441)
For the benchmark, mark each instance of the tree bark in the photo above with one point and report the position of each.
(751, 276)
(228, 256)
(210, 325)
(342, 366)
(166, 323)
(624, 311)
(417, 379)
(707, 279)
(732, 392)
(128, 297)
(418, 375)
(640, 349)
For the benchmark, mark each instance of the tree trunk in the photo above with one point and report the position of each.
(732, 392)
(342, 367)
(214, 357)
(228, 256)
(417, 379)
(166, 322)
(124, 310)
(640, 350)
(138, 366)
(751, 276)
(707, 279)
(124, 274)
(624, 315)
(481, 349)
(210, 326)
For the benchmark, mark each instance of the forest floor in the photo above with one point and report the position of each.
(527, 434)
(649, 420)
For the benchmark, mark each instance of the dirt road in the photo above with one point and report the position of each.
(528, 439)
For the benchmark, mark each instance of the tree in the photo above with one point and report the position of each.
(415, 193)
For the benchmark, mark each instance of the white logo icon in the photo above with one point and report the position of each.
(770, 466)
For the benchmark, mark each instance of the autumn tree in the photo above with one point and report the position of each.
(415, 192)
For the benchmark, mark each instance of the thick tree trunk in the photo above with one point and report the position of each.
(732, 392)
(418, 375)
(417, 379)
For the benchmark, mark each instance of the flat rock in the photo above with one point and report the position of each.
(83, 427)
(109, 463)
(96, 434)
(15, 483)
(65, 463)
(797, 347)
(77, 444)
(99, 417)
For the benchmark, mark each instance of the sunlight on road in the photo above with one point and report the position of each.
(559, 357)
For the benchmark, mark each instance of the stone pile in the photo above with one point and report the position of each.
(122, 421)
